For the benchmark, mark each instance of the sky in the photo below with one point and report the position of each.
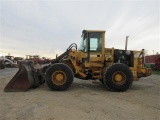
(48, 27)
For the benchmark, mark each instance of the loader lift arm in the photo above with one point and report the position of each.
(57, 60)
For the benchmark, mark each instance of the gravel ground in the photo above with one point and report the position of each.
(85, 100)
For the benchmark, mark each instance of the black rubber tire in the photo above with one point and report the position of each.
(109, 77)
(101, 80)
(67, 72)
(2, 66)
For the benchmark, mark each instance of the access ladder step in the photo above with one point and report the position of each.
(97, 76)
(97, 72)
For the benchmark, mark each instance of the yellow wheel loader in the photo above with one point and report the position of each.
(115, 68)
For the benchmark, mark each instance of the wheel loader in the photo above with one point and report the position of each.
(115, 68)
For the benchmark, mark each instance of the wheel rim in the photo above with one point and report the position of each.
(59, 77)
(119, 78)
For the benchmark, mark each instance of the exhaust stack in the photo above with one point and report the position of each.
(126, 42)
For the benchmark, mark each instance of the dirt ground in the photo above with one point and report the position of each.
(85, 100)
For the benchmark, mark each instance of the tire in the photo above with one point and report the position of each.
(2, 66)
(59, 77)
(101, 80)
(118, 77)
(9, 65)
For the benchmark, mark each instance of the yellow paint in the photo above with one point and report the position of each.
(101, 60)
(118, 77)
(59, 77)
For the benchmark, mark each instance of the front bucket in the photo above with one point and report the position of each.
(27, 77)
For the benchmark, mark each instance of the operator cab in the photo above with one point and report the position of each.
(92, 44)
(91, 41)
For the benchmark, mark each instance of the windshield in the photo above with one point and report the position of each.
(95, 42)
(83, 44)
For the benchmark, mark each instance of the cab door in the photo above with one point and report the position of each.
(95, 45)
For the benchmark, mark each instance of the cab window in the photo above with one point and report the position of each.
(95, 42)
